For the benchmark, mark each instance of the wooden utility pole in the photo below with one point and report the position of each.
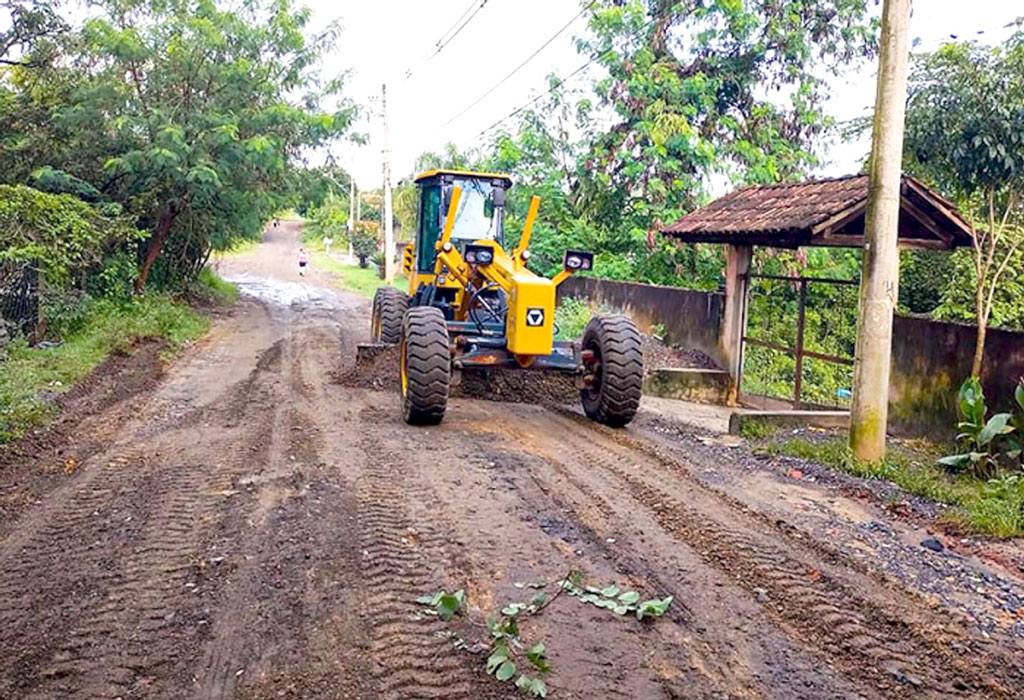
(351, 213)
(880, 276)
(387, 218)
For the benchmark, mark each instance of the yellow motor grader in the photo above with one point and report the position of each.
(472, 306)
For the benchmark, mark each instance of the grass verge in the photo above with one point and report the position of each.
(993, 507)
(31, 377)
(352, 278)
(239, 247)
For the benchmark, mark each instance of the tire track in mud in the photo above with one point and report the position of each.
(109, 571)
(866, 642)
(104, 611)
(147, 594)
(749, 660)
(400, 555)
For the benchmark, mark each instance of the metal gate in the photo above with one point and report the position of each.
(19, 299)
(798, 344)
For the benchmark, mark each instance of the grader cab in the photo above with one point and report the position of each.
(474, 306)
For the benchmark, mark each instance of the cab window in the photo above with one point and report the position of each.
(429, 228)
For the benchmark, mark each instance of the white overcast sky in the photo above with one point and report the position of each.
(382, 40)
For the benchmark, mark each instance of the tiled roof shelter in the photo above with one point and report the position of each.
(820, 213)
(792, 215)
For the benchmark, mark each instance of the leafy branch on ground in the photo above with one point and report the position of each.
(620, 602)
(507, 653)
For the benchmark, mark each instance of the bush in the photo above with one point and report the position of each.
(365, 239)
(68, 237)
(571, 317)
(99, 326)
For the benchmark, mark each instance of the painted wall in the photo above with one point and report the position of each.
(929, 358)
(691, 319)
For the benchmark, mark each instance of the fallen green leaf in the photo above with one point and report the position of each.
(505, 671)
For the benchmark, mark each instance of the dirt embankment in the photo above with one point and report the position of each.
(252, 527)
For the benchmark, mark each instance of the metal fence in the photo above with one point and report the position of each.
(19, 299)
(799, 342)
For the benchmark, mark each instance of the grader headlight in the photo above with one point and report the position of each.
(478, 254)
(578, 260)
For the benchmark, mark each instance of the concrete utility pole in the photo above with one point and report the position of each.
(351, 212)
(880, 276)
(387, 219)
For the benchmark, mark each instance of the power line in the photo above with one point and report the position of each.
(442, 42)
(447, 37)
(517, 68)
(472, 4)
(559, 83)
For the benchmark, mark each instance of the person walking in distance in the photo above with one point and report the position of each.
(303, 261)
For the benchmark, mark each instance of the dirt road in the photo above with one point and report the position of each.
(249, 526)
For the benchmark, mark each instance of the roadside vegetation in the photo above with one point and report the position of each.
(31, 377)
(137, 141)
(986, 506)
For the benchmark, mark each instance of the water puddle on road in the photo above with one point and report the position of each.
(290, 295)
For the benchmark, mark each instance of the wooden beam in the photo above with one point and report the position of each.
(939, 206)
(837, 221)
(842, 241)
(928, 222)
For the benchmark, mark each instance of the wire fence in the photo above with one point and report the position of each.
(19, 299)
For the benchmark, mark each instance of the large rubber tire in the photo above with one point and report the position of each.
(389, 306)
(426, 366)
(614, 394)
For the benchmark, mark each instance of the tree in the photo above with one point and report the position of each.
(190, 115)
(965, 134)
(31, 27)
(700, 88)
(365, 240)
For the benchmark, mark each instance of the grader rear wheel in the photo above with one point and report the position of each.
(426, 366)
(389, 305)
(614, 370)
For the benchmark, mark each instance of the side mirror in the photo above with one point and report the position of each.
(498, 197)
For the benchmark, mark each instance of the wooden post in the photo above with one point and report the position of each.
(869, 414)
(734, 317)
(801, 321)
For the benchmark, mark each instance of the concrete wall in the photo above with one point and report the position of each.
(929, 358)
(691, 319)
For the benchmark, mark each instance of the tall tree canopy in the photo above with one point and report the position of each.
(700, 87)
(189, 114)
(965, 134)
(691, 90)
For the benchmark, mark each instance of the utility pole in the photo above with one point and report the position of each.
(869, 414)
(351, 212)
(387, 220)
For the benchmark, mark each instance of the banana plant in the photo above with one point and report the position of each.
(1016, 440)
(978, 436)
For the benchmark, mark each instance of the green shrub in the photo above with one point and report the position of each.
(571, 318)
(209, 287)
(100, 326)
(68, 237)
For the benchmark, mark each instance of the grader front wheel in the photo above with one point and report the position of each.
(613, 370)
(389, 305)
(426, 366)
